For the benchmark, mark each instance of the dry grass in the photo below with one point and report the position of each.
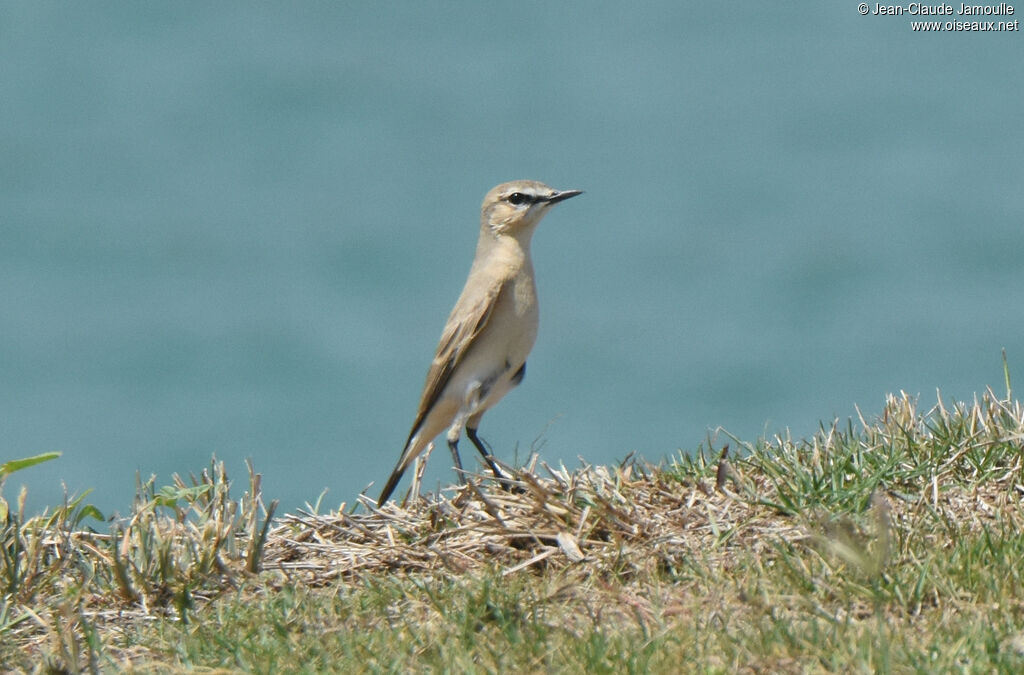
(641, 518)
(870, 545)
(629, 519)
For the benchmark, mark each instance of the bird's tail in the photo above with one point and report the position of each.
(409, 452)
(389, 487)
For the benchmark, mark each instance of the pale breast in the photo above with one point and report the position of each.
(516, 318)
(502, 347)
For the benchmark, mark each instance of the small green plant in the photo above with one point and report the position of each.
(187, 537)
(35, 550)
(181, 544)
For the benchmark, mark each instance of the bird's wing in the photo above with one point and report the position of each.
(467, 321)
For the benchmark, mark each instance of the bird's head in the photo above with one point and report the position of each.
(514, 208)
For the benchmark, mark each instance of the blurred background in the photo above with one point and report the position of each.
(237, 229)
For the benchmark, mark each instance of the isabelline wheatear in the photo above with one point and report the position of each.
(491, 330)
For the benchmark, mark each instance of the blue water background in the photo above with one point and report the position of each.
(237, 228)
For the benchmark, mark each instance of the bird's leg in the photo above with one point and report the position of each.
(503, 480)
(471, 433)
(470, 403)
(453, 445)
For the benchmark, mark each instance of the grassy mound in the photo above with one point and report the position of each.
(890, 544)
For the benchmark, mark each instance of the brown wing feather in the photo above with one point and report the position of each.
(458, 335)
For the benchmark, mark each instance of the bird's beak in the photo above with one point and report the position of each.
(562, 196)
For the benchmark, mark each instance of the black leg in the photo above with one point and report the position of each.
(483, 451)
(454, 447)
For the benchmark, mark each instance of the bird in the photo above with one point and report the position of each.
(492, 328)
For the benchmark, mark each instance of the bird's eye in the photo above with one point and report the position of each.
(517, 198)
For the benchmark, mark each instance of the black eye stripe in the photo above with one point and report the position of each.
(518, 198)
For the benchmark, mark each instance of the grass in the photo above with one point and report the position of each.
(890, 544)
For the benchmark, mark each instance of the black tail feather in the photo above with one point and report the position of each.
(389, 487)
